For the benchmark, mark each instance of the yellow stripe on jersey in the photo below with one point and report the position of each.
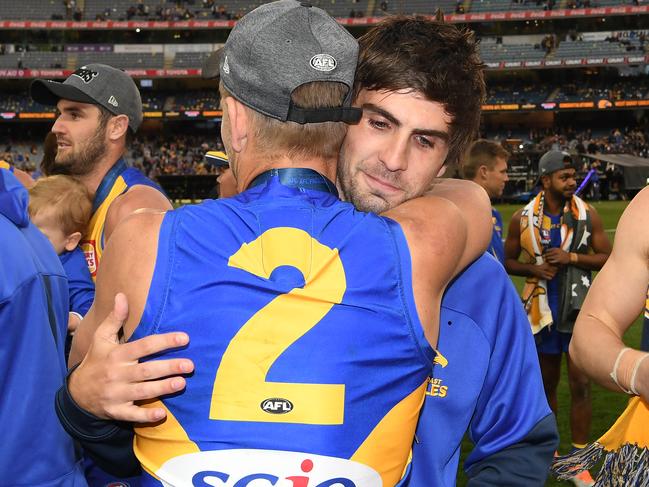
(240, 385)
(154, 445)
(92, 243)
(646, 307)
(4, 165)
(384, 449)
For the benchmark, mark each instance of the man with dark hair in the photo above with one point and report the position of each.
(561, 240)
(514, 439)
(99, 110)
(420, 84)
(403, 78)
(486, 165)
(303, 357)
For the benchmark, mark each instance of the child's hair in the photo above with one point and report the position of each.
(69, 199)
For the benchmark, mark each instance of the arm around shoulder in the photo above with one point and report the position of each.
(475, 209)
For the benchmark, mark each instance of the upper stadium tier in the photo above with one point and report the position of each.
(533, 51)
(205, 14)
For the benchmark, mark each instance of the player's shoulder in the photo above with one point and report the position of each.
(640, 204)
(137, 230)
(429, 220)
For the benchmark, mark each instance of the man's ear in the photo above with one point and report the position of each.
(482, 171)
(238, 119)
(72, 241)
(117, 127)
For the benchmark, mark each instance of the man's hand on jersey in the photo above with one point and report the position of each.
(110, 377)
(557, 256)
(545, 271)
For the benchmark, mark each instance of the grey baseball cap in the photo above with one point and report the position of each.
(98, 84)
(554, 160)
(212, 65)
(282, 45)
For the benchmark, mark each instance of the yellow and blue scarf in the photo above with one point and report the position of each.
(625, 447)
(575, 233)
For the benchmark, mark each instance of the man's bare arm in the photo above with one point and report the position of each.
(110, 377)
(127, 266)
(615, 300)
(475, 209)
(442, 240)
(136, 198)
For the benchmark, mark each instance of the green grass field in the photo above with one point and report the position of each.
(606, 405)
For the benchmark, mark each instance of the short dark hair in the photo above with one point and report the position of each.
(105, 116)
(482, 153)
(436, 59)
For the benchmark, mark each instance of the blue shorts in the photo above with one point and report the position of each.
(552, 341)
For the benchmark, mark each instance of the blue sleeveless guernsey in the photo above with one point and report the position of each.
(117, 181)
(310, 360)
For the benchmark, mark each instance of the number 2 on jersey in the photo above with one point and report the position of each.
(240, 386)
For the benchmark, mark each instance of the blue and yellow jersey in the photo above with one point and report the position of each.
(488, 384)
(6, 165)
(496, 248)
(310, 361)
(115, 183)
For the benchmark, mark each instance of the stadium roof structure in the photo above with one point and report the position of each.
(635, 170)
(626, 160)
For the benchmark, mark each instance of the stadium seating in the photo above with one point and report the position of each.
(510, 52)
(32, 9)
(33, 60)
(190, 59)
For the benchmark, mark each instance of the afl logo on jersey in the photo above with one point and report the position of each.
(277, 405)
(323, 62)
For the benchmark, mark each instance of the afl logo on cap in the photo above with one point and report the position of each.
(323, 62)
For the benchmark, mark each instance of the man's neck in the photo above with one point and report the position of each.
(554, 204)
(248, 173)
(93, 179)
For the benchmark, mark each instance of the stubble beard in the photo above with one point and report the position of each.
(83, 161)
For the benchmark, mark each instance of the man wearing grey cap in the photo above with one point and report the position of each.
(99, 111)
(311, 347)
(560, 240)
